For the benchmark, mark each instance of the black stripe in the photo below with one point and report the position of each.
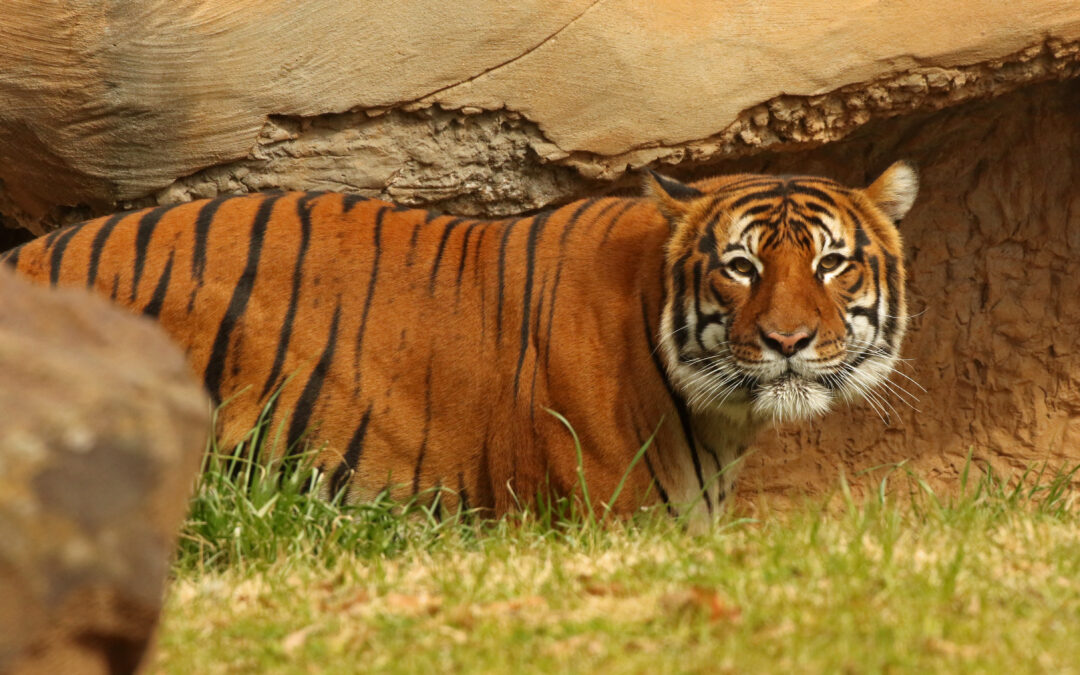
(351, 458)
(861, 238)
(773, 192)
(719, 208)
(301, 418)
(535, 229)
(147, 222)
(447, 230)
(854, 287)
(867, 313)
(480, 279)
(703, 320)
(551, 314)
(476, 254)
(56, 257)
(536, 362)
(699, 329)
(719, 467)
(410, 257)
(153, 308)
(749, 183)
(710, 247)
(571, 223)
(858, 361)
(377, 249)
(876, 271)
(892, 284)
(463, 496)
(51, 237)
(303, 212)
(798, 232)
(615, 219)
(825, 183)
(350, 200)
(465, 251)
(818, 222)
(680, 407)
(101, 239)
(757, 210)
(804, 189)
(659, 486)
(482, 480)
(202, 231)
(427, 430)
(268, 416)
(191, 298)
(11, 258)
(725, 301)
(769, 221)
(678, 296)
(816, 180)
(653, 477)
(507, 229)
(215, 368)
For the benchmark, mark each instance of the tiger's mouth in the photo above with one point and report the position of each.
(790, 396)
(777, 391)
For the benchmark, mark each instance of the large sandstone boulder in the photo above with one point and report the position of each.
(488, 107)
(477, 106)
(102, 435)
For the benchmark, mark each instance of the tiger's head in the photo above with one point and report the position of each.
(784, 294)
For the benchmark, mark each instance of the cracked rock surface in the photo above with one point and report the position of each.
(477, 106)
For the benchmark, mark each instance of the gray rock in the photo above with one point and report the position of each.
(103, 429)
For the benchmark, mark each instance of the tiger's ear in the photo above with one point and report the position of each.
(894, 191)
(672, 197)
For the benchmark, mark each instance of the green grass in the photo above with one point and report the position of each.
(270, 577)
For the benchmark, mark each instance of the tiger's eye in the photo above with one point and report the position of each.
(830, 262)
(743, 266)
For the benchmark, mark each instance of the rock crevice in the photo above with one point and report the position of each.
(496, 162)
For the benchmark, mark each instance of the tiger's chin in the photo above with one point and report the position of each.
(790, 398)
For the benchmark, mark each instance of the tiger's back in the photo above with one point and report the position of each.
(422, 350)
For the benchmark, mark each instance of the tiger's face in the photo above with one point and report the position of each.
(784, 294)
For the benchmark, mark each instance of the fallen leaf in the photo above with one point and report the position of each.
(412, 604)
(701, 600)
(296, 639)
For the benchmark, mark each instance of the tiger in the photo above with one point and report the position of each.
(630, 348)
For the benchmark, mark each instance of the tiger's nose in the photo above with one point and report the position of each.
(787, 343)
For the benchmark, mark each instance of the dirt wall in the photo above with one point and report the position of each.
(993, 248)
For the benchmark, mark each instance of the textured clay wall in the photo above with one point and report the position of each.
(993, 247)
